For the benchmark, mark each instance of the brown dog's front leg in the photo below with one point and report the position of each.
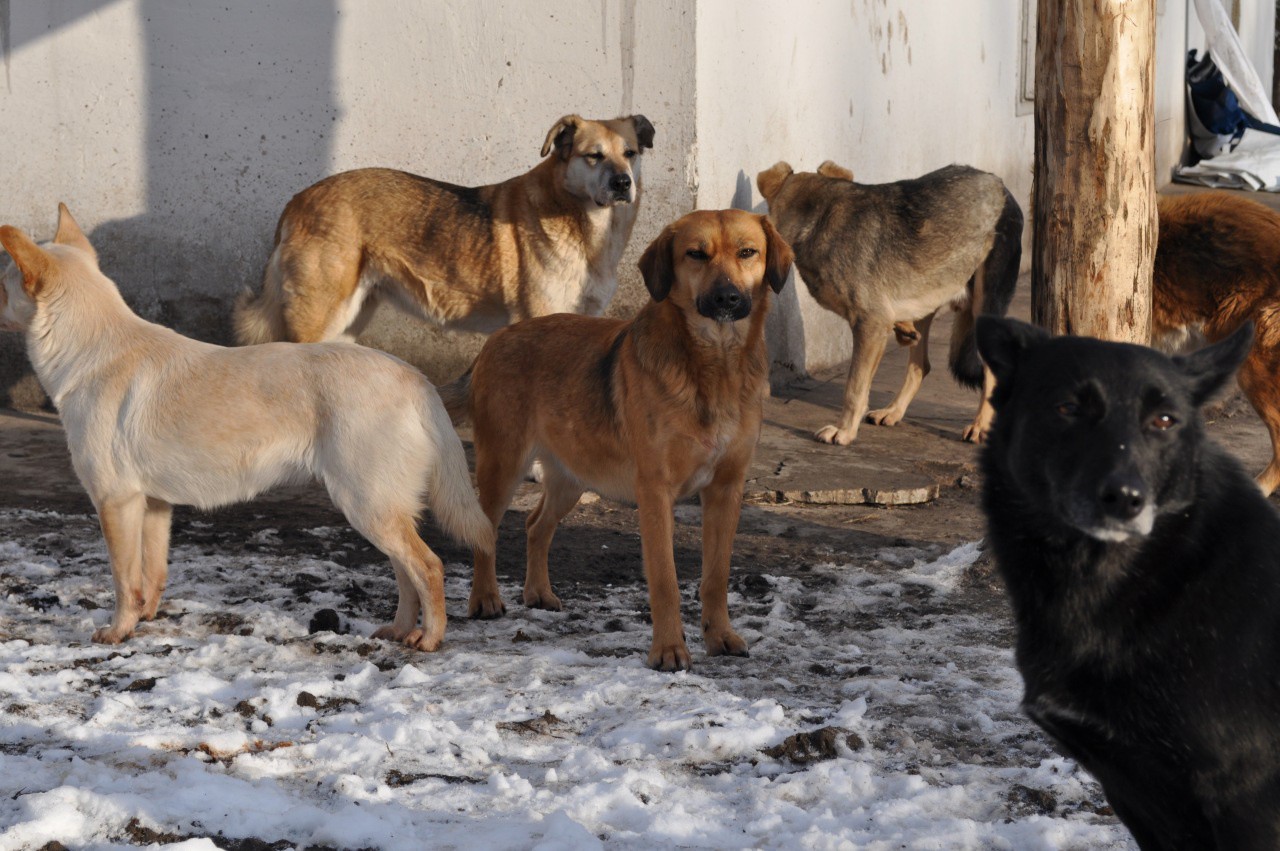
(121, 519)
(721, 507)
(668, 651)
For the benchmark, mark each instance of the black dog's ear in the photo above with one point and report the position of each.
(1210, 367)
(1003, 342)
(644, 131)
(779, 257)
(657, 266)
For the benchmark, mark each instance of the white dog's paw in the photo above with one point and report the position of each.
(837, 436)
(884, 417)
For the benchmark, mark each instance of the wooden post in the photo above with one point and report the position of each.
(1094, 212)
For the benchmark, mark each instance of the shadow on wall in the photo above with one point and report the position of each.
(784, 329)
(239, 103)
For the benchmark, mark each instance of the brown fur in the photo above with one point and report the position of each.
(471, 258)
(651, 410)
(1218, 266)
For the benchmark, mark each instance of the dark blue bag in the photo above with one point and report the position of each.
(1216, 108)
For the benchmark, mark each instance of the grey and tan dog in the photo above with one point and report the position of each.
(885, 256)
(467, 258)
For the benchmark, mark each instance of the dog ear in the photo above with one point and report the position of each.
(836, 171)
(771, 179)
(32, 260)
(644, 131)
(657, 266)
(560, 136)
(1211, 367)
(1003, 342)
(779, 256)
(69, 233)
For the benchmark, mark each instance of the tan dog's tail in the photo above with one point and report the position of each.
(450, 496)
(260, 318)
(456, 396)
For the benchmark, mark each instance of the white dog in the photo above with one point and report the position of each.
(155, 419)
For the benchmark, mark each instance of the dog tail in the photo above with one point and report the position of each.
(456, 396)
(449, 494)
(260, 318)
(999, 273)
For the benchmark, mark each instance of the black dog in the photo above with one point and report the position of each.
(1144, 570)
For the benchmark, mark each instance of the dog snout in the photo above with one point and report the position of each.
(620, 183)
(1123, 497)
(724, 303)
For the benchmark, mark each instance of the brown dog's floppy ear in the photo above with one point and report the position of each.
(777, 263)
(657, 265)
(69, 233)
(31, 259)
(771, 179)
(560, 136)
(644, 131)
(834, 170)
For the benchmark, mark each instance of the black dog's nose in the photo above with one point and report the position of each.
(1123, 497)
(620, 182)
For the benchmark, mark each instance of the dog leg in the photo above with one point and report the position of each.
(420, 579)
(559, 496)
(869, 341)
(121, 519)
(721, 508)
(498, 471)
(318, 283)
(917, 368)
(668, 651)
(1257, 380)
(976, 432)
(156, 523)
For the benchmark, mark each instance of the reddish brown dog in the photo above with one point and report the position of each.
(651, 410)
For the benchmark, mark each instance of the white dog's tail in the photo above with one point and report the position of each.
(260, 318)
(449, 495)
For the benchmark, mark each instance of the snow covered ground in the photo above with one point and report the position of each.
(226, 724)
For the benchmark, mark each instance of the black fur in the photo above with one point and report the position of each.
(1153, 658)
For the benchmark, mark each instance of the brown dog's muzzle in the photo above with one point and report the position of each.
(724, 303)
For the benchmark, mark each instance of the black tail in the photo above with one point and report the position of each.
(999, 277)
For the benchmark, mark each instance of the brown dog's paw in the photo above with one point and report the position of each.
(419, 640)
(485, 606)
(672, 657)
(836, 436)
(542, 599)
(906, 333)
(725, 643)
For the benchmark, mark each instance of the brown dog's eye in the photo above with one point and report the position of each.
(595, 156)
(697, 254)
(744, 253)
(628, 153)
(1163, 422)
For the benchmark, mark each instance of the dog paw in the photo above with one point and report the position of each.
(884, 417)
(725, 643)
(542, 599)
(390, 632)
(837, 436)
(671, 657)
(974, 434)
(485, 606)
(419, 640)
(110, 635)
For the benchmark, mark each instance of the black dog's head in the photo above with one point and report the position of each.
(1103, 437)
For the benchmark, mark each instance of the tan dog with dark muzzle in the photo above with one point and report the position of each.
(652, 410)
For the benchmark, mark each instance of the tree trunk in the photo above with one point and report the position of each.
(1094, 210)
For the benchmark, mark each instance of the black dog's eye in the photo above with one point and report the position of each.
(628, 153)
(1163, 422)
(744, 253)
(1067, 409)
(697, 254)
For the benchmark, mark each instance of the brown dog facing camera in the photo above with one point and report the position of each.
(646, 411)
(467, 258)
(886, 257)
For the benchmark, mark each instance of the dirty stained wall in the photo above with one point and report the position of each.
(177, 129)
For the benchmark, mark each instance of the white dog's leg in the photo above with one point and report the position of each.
(121, 519)
(155, 554)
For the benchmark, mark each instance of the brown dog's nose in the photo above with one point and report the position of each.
(620, 182)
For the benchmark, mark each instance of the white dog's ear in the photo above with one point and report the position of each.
(560, 136)
(32, 260)
(644, 131)
(69, 233)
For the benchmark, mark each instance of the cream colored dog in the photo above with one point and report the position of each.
(155, 419)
